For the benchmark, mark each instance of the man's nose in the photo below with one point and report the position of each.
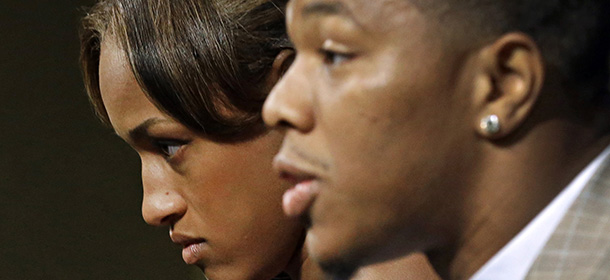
(290, 102)
(162, 205)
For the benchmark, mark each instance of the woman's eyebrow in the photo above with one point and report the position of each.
(141, 131)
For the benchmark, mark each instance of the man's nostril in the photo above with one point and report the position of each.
(283, 124)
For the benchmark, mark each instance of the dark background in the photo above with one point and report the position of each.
(70, 190)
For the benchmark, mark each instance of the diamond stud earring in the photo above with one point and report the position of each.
(490, 124)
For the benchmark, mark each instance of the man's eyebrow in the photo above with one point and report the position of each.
(328, 9)
(141, 131)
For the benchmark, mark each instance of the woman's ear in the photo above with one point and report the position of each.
(280, 65)
(509, 84)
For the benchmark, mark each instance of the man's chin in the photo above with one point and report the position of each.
(332, 259)
(338, 269)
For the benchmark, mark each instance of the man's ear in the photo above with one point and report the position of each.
(507, 85)
(280, 65)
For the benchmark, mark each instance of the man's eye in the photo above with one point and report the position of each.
(335, 58)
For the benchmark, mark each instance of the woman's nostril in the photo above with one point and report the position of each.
(170, 219)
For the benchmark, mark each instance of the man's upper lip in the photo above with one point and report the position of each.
(292, 172)
(184, 240)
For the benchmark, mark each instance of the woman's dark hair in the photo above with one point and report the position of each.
(204, 62)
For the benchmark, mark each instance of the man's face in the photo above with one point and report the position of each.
(377, 117)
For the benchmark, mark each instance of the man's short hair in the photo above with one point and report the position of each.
(573, 35)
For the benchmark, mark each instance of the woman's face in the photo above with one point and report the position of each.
(222, 202)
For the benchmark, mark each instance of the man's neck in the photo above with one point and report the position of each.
(513, 185)
(414, 266)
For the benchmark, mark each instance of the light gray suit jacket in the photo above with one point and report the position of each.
(579, 249)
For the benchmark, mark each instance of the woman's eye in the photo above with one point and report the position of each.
(169, 148)
(335, 58)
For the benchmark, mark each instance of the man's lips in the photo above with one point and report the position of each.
(191, 247)
(191, 253)
(297, 200)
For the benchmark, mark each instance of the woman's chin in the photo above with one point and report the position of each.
(235, 273)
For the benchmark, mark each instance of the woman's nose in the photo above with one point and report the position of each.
(162, 208)
(162, 204)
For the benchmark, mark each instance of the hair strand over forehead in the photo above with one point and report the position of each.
(203, 62)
